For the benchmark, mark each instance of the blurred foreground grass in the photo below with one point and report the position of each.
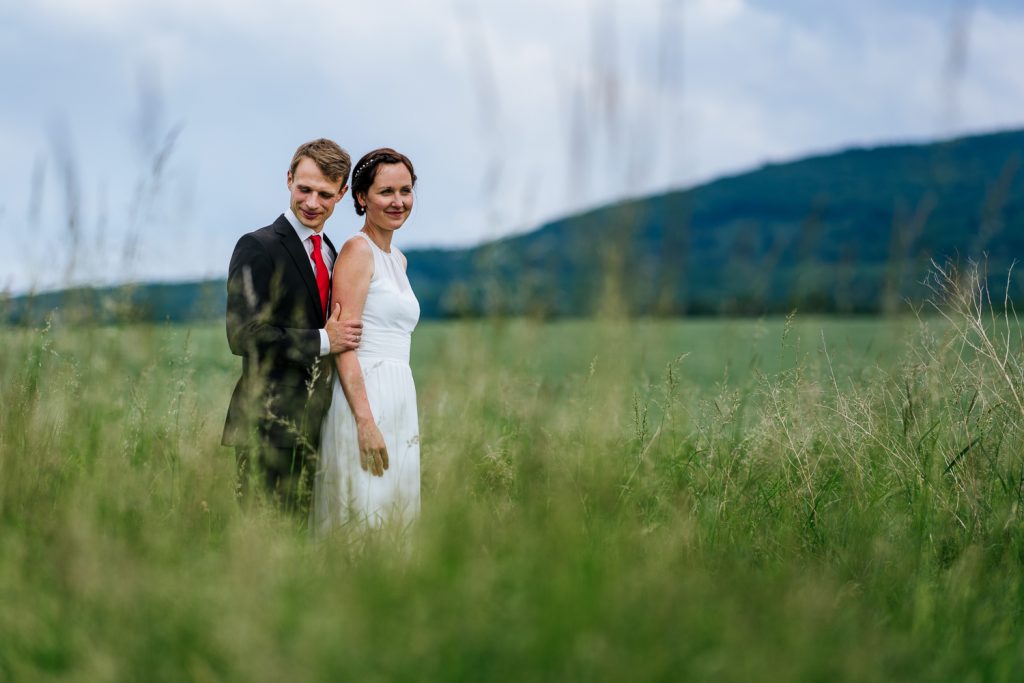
(729, 500)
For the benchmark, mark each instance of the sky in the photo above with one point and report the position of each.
(140, 139)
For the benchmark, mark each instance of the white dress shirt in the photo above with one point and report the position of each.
(305, 234)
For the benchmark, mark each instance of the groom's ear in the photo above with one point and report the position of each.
(342, 191)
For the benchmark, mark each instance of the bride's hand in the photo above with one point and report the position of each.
(373, 454)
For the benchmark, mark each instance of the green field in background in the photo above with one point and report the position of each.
(738, 500)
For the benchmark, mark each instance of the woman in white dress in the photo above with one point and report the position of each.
(368, 472)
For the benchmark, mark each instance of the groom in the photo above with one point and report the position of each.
(279, 320)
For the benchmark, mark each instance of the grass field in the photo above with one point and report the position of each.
(604, 500)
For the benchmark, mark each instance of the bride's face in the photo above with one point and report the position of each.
(389, 200)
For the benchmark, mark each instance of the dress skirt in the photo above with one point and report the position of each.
(344, 493)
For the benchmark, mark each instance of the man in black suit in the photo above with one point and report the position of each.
(278, 322)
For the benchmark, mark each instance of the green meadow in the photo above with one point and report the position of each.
(603, 500)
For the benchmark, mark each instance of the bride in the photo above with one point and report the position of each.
(369, 466)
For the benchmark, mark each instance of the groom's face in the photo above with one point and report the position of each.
(313, 195)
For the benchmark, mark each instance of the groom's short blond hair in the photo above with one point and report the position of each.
(332, 160)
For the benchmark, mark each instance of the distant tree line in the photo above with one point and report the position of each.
(851, 232)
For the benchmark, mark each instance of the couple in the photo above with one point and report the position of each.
(324, 339)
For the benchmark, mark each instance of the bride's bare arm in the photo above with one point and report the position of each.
(352, 272)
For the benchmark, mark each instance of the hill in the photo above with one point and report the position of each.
(847, 232)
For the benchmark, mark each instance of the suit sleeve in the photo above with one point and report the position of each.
(251, 328)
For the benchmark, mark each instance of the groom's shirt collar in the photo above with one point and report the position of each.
(304, 234)
(301, 230)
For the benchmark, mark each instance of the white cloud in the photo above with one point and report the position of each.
(586, 111)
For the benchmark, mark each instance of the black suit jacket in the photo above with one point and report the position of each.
(273, 322)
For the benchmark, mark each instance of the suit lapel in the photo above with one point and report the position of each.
(293, 245)
(330, 290)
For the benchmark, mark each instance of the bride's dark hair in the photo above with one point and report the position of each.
(366, 170)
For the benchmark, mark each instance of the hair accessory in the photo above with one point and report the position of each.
(360, 167)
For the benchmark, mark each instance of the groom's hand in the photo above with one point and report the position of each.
(344, 334)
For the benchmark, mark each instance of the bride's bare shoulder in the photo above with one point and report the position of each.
(357, 247)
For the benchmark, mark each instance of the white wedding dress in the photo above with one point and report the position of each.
(344, 493)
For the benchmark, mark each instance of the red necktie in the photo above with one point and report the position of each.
(323, 279)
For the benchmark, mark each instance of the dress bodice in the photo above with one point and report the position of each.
(391, 310)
